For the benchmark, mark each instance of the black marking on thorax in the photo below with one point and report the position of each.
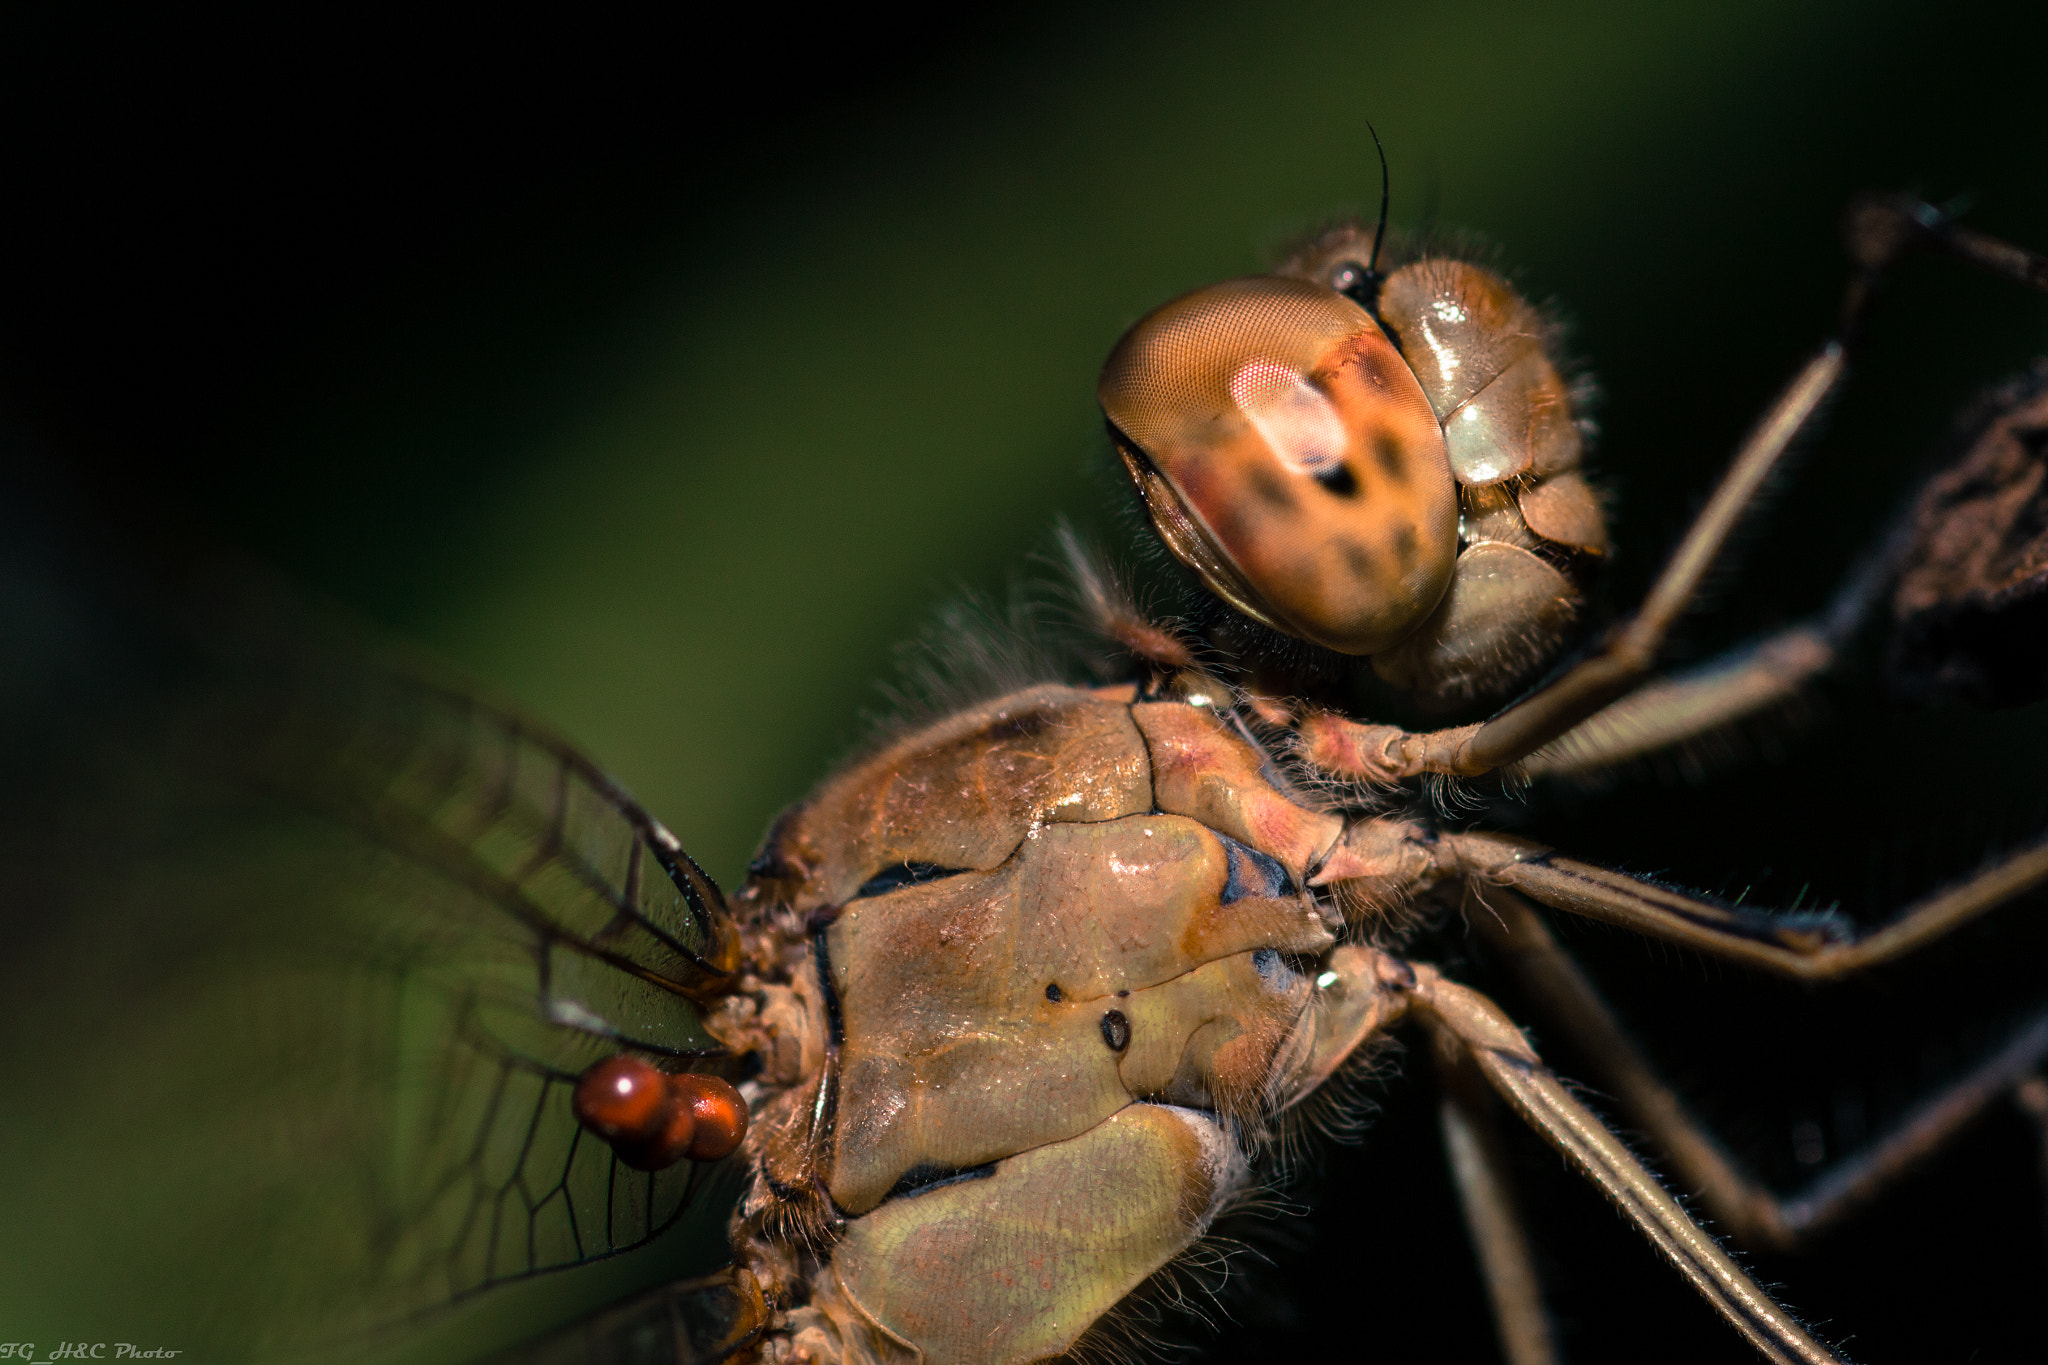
(1116, 1030)
(835, 1017)
(927, 1176)
(907, 873)
(1252, 874)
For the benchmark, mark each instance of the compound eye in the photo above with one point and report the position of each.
(1287, 454)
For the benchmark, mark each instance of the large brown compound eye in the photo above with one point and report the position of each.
(1287, 454)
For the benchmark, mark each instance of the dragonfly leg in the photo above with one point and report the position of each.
(1493, 1218)
(1816, 946)
(1753, 1214)
(1668, 712)
(1751, 679)
(1504, 1058)
(1756, 678)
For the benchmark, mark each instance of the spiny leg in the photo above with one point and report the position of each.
(1493, 1218)
(1809, 947)
(1560, 991)
(1670, 711)
(1879, 232)
(1967, 549)
(1497, 1048)
(1878, 225)
(1756, 677)
(1753, 678)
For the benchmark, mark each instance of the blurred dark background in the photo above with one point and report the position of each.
(665, 373)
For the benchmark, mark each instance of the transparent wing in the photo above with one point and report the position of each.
(301, 950)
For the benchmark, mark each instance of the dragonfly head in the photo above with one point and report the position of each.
(1287, 454)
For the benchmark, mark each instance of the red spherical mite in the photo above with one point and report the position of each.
(653, 1120)
(669, 1144)
(719, 1111)
(623, 1100)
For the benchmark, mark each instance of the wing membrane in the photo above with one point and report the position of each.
(307, 946)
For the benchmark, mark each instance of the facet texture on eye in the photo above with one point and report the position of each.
(1286, 454)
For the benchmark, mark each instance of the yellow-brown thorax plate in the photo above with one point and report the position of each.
(1065, 971)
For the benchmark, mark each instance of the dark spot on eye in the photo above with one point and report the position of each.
(1054, 994)
(1404, 545)
(1337, 478)
(1116, 1030)
(930, 1175)
(1356, 557)
(1269, 490)
(908, 873)
(1393, 461)
(1121, 994)
(1252, 874)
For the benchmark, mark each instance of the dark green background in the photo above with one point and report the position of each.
(673, 445)
(668, 406)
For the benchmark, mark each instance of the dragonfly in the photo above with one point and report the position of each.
(452, 916)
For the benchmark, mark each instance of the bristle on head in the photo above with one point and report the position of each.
(1112, 612)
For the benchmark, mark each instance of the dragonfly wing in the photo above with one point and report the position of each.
(691, 1322)
(301, 949)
